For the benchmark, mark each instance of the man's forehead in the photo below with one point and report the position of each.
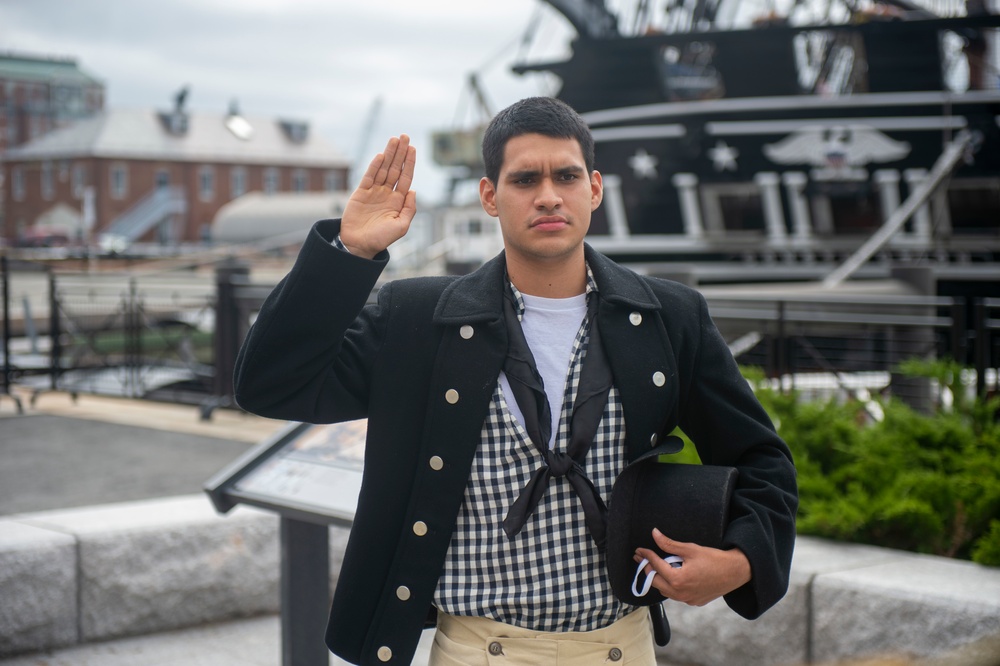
(535, 151)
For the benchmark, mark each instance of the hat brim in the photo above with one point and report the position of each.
(685, 502)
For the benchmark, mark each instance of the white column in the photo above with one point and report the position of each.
(921, 218)
(795, 185)
(887, 182)
(614, 207)
(687, 186)
(774, 217)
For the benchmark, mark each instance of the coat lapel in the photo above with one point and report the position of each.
(469, 358)
(640, 353)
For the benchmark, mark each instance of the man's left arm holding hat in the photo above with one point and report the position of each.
(727, 424)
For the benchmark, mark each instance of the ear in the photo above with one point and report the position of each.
(596, 190)
(488, 197)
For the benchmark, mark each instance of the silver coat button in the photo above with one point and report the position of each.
(403, 593)
(384, 653)
(420, 528)
(495, 648)
(466, 332)
(451, 395)
(654, 439)
(436, 463)
(615, 654)
(635, 318)
(659, 378)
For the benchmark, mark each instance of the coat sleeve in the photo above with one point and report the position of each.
(308, 356)
(727, 424)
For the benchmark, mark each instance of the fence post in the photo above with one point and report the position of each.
(226, 340)
(55, 350)
(982, 345)
(913, 341)
(5, 389)
(131, 387)
(781, 349)
(959, 331)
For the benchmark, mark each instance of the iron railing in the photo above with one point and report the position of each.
(175, 337)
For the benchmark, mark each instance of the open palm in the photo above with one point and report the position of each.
(380, 210)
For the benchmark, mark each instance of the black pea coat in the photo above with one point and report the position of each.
(422, 364)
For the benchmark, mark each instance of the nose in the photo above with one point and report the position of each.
(546, 197)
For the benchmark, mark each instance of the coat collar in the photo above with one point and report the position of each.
(478, 295)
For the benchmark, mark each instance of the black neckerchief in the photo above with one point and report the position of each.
(588, 408)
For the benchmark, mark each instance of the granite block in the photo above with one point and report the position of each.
(38, 577)
(163, 564)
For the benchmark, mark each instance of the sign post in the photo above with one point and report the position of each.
(310, 476)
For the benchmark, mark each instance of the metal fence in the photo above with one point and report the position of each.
(113, 334)
(134, 338)
(175, 337)
(823, 344)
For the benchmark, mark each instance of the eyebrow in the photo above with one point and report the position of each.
(532, 173)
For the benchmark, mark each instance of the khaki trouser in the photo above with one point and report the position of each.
(478, 641)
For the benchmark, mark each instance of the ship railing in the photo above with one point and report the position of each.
(943, 167)
(824, 344)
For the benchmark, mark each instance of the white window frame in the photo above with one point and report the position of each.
(206, 183)
(76, 178)
(334, 181)
(272, 180)
(237, 182)
(300, 180)
(47, 181)
(118, 180)
(17, 189)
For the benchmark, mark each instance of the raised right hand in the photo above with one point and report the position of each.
(380, 210)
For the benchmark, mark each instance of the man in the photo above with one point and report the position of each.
(501, 407)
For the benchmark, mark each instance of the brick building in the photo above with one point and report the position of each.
(144, 175)
(39, 94)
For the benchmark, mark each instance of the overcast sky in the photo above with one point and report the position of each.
(325, 61)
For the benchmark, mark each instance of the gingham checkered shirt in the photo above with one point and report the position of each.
(551, 576)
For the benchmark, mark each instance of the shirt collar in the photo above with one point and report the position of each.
(519, 299)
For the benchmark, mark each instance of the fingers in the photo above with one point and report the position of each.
(368, 180)
(406, 173)
(388, 156)
(393, 167)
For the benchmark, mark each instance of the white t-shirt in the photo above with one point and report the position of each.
(550, 326)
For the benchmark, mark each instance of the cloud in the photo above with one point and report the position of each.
(320, 60)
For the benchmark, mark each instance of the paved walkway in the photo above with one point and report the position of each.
(62, 454)
(253, 642)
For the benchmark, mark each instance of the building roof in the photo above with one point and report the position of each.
(143, 135)
(44, 70)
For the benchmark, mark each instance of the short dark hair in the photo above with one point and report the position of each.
(534, 115)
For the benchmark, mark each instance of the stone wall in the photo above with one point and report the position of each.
(96, 573)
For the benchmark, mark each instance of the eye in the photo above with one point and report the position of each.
(568, 177)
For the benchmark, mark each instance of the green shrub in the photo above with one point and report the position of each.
(927, 483)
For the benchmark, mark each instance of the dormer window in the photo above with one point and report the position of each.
(174, 122)
(296, 131)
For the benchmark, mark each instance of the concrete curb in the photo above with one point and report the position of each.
(96, 573)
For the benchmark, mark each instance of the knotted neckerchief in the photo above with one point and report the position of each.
(588, 408)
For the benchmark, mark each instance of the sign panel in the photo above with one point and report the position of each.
(306, 471)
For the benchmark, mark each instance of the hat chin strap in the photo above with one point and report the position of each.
(649, 579)
(672, 560)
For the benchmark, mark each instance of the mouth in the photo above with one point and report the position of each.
(550, 223)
